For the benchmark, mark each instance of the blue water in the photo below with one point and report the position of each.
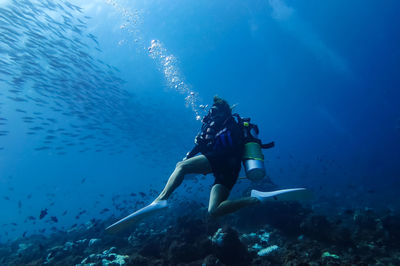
(320, 78)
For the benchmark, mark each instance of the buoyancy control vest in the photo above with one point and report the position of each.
(215, 136)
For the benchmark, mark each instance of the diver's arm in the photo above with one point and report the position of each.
(196, 149)
(192, 153)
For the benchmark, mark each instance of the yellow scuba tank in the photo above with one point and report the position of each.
(253, 158)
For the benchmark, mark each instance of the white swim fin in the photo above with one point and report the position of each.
(282, 195)
(138, 215)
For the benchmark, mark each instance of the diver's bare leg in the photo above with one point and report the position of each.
(219, 205)
(195, 165)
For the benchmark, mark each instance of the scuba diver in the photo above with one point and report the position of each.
(220, 147)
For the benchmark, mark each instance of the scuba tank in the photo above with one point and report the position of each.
(253, 158)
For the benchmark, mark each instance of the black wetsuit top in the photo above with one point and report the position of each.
(223, 147)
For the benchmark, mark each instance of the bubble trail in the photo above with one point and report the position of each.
(166, 62)
(168, 65)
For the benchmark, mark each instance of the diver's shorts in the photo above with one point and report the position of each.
(226, 169)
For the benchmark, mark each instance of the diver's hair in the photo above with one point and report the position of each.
(223, 104)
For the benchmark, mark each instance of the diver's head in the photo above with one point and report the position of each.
(220, 110)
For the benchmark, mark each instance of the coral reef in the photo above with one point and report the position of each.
(270, 234)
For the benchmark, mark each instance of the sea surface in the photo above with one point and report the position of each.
(100, 99)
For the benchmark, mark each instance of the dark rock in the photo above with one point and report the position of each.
(182, 252)
(211, 260)
(391, 224)
(317, 227)
(205, 246)
(228, 248)
(342, 236)
(190, 229)
(138, 260)
(150, 249)
(365, 220)
(28, 252)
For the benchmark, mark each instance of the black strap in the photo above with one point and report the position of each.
(268, 145)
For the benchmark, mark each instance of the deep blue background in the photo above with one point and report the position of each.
(320, 78)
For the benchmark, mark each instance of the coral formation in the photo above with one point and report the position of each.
(253, 236)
